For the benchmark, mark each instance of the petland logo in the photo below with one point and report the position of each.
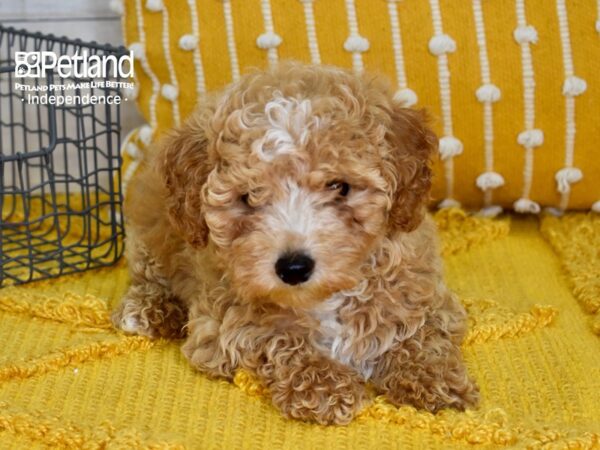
(36, 65)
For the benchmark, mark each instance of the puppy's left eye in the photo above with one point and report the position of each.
(340, 186)
(244, 199)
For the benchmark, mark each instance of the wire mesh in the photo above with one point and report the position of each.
(60, 166)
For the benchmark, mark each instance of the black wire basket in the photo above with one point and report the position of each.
(60, 166)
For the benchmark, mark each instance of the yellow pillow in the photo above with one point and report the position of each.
(513, 86)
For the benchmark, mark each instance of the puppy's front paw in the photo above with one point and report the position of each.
(456, 390)
(203, 349)
(323, 394)
(150, 314)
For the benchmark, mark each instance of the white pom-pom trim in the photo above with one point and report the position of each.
(131, 93)
(596, 207)
(490, 211)
(524, 205)
(138, 50)
(154, 5)
(356, 44)
(268, 40)
(188, 42)
(525, 34)
(489, 180)
(574, 86)
(567, 176)
(169, 92)
(448, 203)
(116, 6)
(440, 44)
(145, 134)
(598, 25)
(406, 97)
(531, 138)
(488, 93)
(450, 147)
(133, 150)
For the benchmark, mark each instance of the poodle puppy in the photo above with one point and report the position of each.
(283, 229)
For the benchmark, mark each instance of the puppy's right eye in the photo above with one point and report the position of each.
(340, 186)
(245, 199)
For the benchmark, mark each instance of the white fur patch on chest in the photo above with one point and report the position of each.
(338, 340)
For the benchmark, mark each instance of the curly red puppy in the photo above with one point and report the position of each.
(284, 227)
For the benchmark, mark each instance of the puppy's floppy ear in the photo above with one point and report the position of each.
(413, 144)
(184, 164)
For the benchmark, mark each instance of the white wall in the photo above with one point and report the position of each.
(85, 19)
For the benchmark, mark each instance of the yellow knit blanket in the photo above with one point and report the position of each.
(532, 290)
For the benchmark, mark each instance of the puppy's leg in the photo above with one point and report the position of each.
(306, 385)
(149, 308)
(303, 383)
(203, 347)
(427, 370)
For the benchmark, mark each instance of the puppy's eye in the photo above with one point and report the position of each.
(244, 199)
(340, 186)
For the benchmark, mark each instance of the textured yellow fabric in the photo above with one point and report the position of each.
(459, 230)
(577, 240)
(68, 380)
(212, 53)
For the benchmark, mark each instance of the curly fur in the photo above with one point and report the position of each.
(246, 179)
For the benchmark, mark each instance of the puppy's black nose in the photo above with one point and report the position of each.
(294, 268)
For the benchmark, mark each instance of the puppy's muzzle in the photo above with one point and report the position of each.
(294, 268)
